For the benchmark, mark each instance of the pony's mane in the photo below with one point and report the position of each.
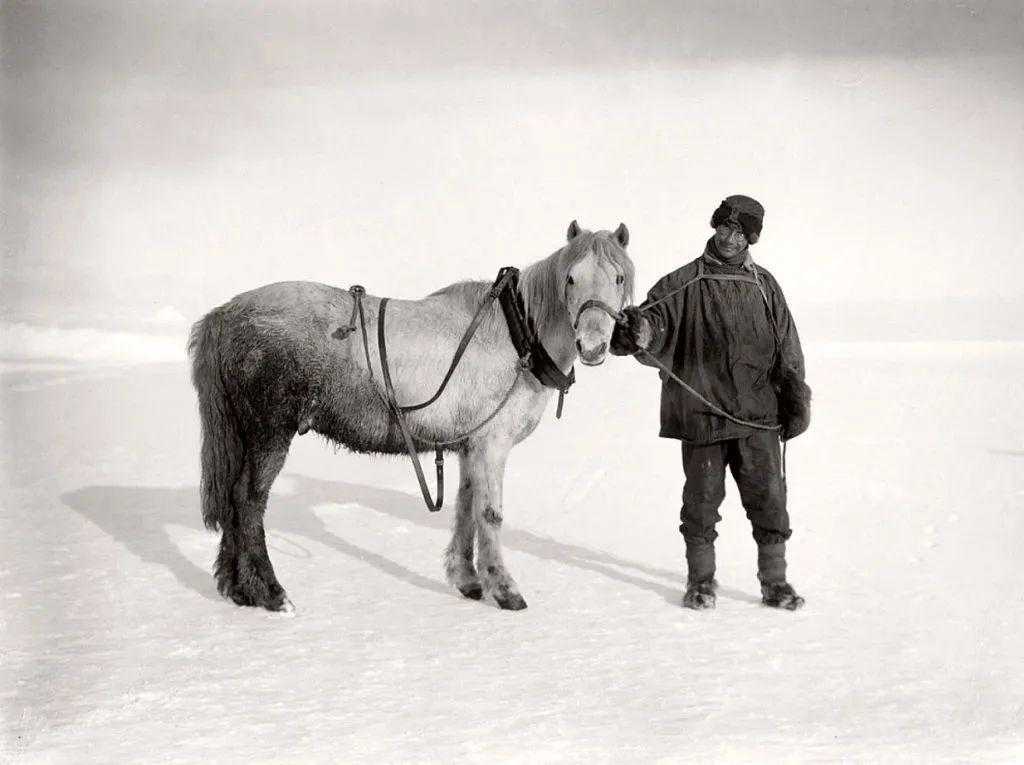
(542, 283)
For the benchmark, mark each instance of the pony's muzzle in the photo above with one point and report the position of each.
(594, 323)
(592, 356)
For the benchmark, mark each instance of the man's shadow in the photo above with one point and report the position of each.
(138, 518)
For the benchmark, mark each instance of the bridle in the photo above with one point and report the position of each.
(617, 316)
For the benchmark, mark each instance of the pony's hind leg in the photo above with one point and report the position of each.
(487, 473)
(458, 558)
(244, 572)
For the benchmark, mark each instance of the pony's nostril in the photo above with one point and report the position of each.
(595, 353)
(579, 346)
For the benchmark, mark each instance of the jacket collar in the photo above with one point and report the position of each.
(711, 256)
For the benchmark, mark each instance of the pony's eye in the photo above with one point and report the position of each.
(620, 279)
(570, 280)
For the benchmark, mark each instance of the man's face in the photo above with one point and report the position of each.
(729, 238)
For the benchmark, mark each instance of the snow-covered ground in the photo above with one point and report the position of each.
(907, 498)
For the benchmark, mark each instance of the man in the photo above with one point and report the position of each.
(722, 325)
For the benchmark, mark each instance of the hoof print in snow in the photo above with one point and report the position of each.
(781, 596)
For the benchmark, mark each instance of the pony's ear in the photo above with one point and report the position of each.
(622, 235)
(574, 231)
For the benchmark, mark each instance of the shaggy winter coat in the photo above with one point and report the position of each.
(718, 337)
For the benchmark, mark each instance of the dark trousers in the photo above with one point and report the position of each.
(756, 465)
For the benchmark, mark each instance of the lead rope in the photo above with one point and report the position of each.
(657, 362)
(716, 409)
(713, 407)
(783, 461)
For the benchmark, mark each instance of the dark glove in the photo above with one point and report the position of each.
(794, 397)
(626, 335)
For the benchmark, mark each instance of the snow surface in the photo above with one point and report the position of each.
(907, 498)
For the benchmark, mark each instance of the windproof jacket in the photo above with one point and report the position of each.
(730, 336)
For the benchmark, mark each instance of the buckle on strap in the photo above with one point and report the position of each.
(505, 276)
(357, 291)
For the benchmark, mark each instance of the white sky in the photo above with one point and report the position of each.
(177, 158)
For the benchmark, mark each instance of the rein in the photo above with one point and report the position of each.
(533, 357)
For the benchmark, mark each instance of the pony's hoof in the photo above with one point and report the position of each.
(279, 604)
(285, 606)
(511, 602)
(472, 591)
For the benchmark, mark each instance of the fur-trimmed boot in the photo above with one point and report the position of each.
(700, 578)
(771, 571)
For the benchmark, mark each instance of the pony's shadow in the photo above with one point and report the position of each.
(138, 517)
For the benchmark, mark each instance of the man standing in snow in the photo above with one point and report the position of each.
(722, 325)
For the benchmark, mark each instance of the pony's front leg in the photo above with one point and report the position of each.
(458, 558)
(487, 471)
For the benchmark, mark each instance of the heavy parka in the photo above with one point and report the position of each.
(729, 334)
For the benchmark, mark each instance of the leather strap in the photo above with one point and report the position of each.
(528, 346)
(432, 504)
(532, 356)
(467, 336)
(594, 303)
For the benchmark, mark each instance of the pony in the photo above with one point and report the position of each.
(271, 363)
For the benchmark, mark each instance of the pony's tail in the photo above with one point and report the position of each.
(223, 453)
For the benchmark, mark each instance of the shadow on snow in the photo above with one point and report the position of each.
(137, 517)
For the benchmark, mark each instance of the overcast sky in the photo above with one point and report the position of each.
(170, 155)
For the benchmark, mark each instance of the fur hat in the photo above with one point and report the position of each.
(745, 211)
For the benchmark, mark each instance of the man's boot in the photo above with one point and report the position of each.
(771, 570)
(700, 578)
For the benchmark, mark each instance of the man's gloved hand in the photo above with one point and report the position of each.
(632, 334)
(794, 397)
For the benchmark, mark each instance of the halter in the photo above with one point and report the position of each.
(594, 303)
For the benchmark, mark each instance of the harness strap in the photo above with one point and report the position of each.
(459, 439)
(533, 357)
(432, 504)
(357, 292)
(529, 348)
(702, 274)
(467, 336)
